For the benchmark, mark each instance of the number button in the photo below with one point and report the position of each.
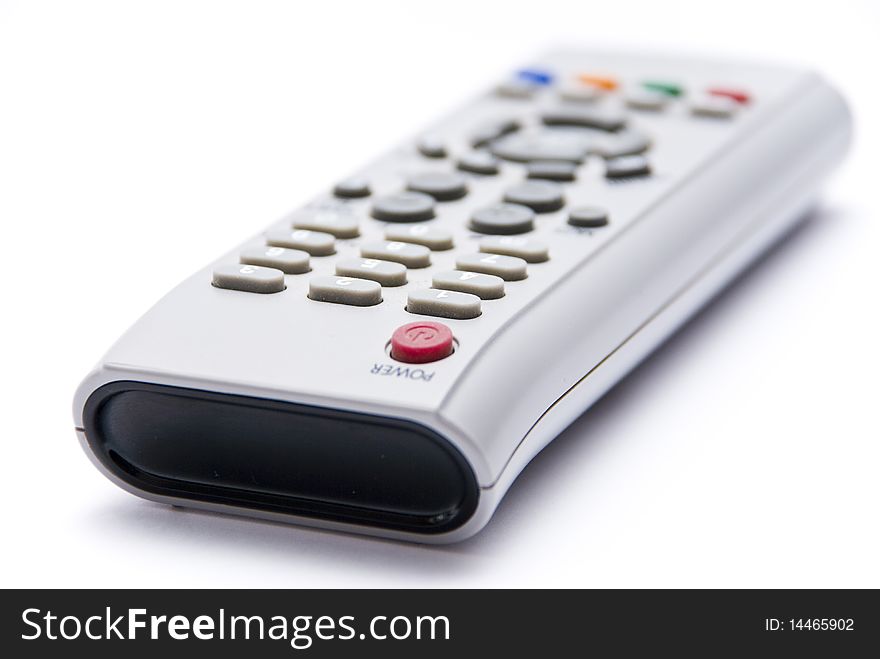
(420, 234)
(386, 273)
(340, 224)
(445, 304)
(248, 278)
(289, 261)
(509, 268)
(412, 256)
(345, 290)
(315, 243)
(485, 287)
(530, 251)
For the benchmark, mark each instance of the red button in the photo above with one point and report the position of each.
(737, 95)
(421, 342)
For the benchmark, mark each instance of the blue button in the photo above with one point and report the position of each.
(535, 76)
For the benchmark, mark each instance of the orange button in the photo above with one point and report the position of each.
(602, 82)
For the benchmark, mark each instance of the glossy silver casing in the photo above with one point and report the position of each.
(722, 191)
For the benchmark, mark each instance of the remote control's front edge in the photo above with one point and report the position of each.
(503, 410)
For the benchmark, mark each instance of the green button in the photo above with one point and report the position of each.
(668, 88)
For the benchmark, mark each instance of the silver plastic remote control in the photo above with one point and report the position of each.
(387, 358)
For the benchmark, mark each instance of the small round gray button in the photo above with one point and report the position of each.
(479, 162)
(580, 93)
(352, 188)
(404, 207)
(492, 131)
(624, 143)
(603, 119)
(503, 219)
(627, 166)
(717, 107)
(431, 146)
(442, 186)
(646, 99)
(588, 216)
(516, 89)
(552, 170)
(540, 196)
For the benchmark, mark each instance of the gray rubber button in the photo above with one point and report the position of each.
(479, 162)
(412, 256)
(580, 93)
(249, 278)
(352, 188)
(404, 207)
(503, 219)
(717, 107)
(627, 166)
(345, 290)
(485, 287)
(588, 216)
(509, 268)
(531, 251)
(624, 143)
(552, 170)
(316, 243)
(420, 234)
(339, 223)
(603, 119)
(431, 146)
(646, 99)
(492, 131)
(540, 196)
(387, 273)
(289, 261)
(442, 186)
(516, 89)
(547, 145)
(445, 304)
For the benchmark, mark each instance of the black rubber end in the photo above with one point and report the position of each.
(280, 457)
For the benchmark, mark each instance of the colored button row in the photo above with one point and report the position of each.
(589, 87)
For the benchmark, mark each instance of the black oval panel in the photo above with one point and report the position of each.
(280, 457)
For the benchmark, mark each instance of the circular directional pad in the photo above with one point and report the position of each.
(544, 145)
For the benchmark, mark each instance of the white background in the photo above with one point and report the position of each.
(140, 140)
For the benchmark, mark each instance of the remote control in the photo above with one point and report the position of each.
(388, 357)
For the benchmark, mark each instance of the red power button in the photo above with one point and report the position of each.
(421, 342)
